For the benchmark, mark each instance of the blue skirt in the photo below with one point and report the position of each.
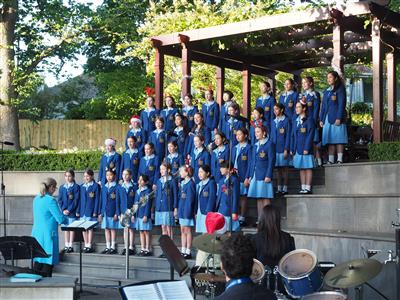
(84, 218)
(165, 218)
(131, 225)
(281, 161)
(109, 223)
(200, 222)
(235, 224)
(332, 134)
(144, 226)
(304, 161)
(186, 222)
(243, 190)
(260, 189)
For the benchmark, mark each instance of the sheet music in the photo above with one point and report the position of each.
(141, 292)
(82, 224)
(174, 290)
(76, 223)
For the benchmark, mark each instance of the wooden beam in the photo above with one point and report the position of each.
(391, 62)
(385, 15)
(246, 77)
(220, 76)
(159, 77)
(186, 70)
(377, 80)
(338, 47)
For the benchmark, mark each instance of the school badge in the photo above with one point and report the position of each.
(281, 130)
(112, 165)
(171, 117)
(131, 194)
(303, 130)
(309, 103)
(267, 108)
(290, 103)
(200, 162)
(244, 157)
(221, 160)
(113, 196)
(91, 195)
(225, 190)
(70, 196)
(138, 139)
(135, 161)
(183, 195)
(333, 97)
(161, 140)
(262, 154)
(205, 194)
(151, 168)
(191, 118)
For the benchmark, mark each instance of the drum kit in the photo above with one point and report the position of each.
(298, 270)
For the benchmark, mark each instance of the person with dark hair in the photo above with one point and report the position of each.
(198, 129)
(180, 134)
(289, 98)
(266, 102)
(237, 264)
(149, 165)
(219, 154)
(142, 217)
(137, 132)
(206, 190)
(111, 160)
(199, 156)
(168, 113)
(227, 97)
(148, 116)
(131, 158)
(159, 138)
(189, 110)
(232, 124)
(210, 111)
(257, 120)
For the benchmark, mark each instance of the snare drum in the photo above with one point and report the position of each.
(325, 296)
(258, 271)
(300, 273)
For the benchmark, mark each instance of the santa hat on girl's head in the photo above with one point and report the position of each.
(215, 223)
(110, 142)
(134, 119)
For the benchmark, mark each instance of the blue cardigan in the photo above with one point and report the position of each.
(262, 160)
(223, 205)
(166, 195)
(187, 199)
(303, 136)
(109, 201)
(69, 198)
(206, 197)
(333, 105)
(281, 134)
(90, 200)
(125, 197)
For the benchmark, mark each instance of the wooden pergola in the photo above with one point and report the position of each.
(357, 32)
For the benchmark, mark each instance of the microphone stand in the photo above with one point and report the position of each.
(229, 170)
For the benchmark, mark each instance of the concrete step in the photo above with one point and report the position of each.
(96, 280)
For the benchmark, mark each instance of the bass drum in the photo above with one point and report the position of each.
(206, 284)
(325, 296)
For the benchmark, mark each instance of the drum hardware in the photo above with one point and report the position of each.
(277, 293)
(258, 272)
(268, 273)
(330, 295)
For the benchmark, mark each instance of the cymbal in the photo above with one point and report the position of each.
(353, 273)
(210, 243)
(209, 277)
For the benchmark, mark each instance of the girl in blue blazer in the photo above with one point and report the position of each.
(333, 116)
(158, 138)
(108, 213)
(289, 98)
(111, 160)
(266, 102)
(68, 200)
(148, 116)
(218, 155)
(259, 176)
(131, 158)
(232, 124)
(199, 129)
(125, 199)
(227, 96)
(174, 159)
(137, 132)
(210, 110)
(166, 200)
(257, 121)
(168, 113)
(206, 191)
(149, 165)
(90, 206)
(186, 208)
(189, 110)
(199, 156)
(228, 197)
(281, 133)
(143, 215)
(180, 135)
(241, 155)
(302, 146)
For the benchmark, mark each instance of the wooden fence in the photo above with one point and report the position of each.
(61, 134)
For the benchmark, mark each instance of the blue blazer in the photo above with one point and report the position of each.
(108, 201)
(241, 160)
(303, 136)
(202, 159)
(223, 116)
(216, 159)
(46, 217)
(68, 199)
(187, 200)
(334, 105)
(262, 161)
(204, 132)
(252, 131)
(224, 200)
(289, 102)
(206, 197)
(313, 105)
(175, 163)
(267, 105)
(181, 139)
(189, 114)
(166, 195)
(169, 118)
(148, 119)
(141, 139)
(281, 134)
(144, 210)
(231, 134)
(132, 163)
(110, 162)
(211, 115)
(150, 168)
(125, 198)
(159, 142)
(90, 201)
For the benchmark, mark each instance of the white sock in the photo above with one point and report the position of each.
(113, 244)
(187, 251)
(303, 186)
(183, 250)
(319, 161)
(131, 247)
(340, 157)
(331, 158)
(66, 245)
(307, 187)
(108, 245)
(86, 245)
(89, 245)
(284, 189)
(279, 188)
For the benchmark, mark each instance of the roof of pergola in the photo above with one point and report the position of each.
(286, 42)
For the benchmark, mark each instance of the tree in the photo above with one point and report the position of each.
(32, 32)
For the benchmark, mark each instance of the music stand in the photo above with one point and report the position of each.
(78, 227)
(173, 256)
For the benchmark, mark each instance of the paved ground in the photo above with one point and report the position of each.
(94, 293)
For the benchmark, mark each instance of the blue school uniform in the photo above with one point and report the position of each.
(333, 108)
(199, 157)
(218, 155)
(68, 199)
(89, 207)
(175, 160)
(158, 138)
(224, 115)
(313, 100)
(241, 161)
(181, 139)
(148, 118)
(289, 100)
(125, 199)
(166, 201)
(130, 160)
(228, 200)
(109, 205)
(303, 135)
(110, 161)
(210, 111)
(267, 105)
(189, 112)
(204, 132)
(252, 132)
(281, 136)
(187, 202)
(140, 136)
(231, 126)
(149, 165)
(206, 198)
(261, 165)
(144, 210)
(168, 115)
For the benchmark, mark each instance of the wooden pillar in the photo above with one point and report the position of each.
(377, 81)
(338, 48)
(159, 77)
(391, 63)
(297, 79)
(246, 77)
(220, 76)
(272, 81)
(186, 66)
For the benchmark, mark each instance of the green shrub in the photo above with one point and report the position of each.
(387, 151)
(361, 108)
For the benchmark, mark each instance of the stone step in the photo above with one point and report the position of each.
(96, 280)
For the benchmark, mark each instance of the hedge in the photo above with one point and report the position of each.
(387, 151)
(51, 161)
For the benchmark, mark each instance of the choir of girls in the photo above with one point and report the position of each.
(178, 161)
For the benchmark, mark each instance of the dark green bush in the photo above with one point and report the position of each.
(387, 151)
(360, 108)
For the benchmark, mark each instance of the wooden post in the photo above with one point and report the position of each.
(159, 77)
(377, 82)
(297, 79)
(272, 81)
(338, 48)
(391, 62)
(246, 77)
(220, 76)
(186, 66)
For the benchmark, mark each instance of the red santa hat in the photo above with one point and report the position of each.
(215, 223)
(110, 142)
(135, 118)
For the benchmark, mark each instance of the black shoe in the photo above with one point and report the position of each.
(147, 253)
(65, 250)
(105, 251)
(339, 162)
(84, 250)
(284, 193)
(302, 191)
(70, 250)
(187, 256)
(112, 251)
(307, 192)
(123, 252)
(132, 251)
(161, 256)
(278, 193)
(89, 250)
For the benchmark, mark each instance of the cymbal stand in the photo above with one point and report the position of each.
(277, 293)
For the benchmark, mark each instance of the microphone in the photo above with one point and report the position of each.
(7, 143)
